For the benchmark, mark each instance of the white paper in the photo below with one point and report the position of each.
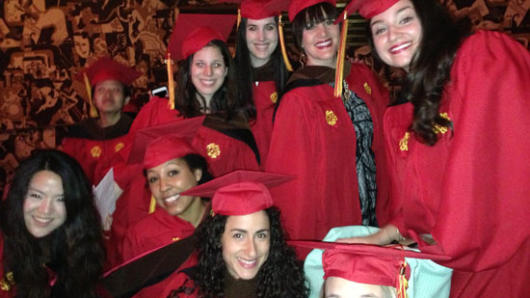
(106, 194)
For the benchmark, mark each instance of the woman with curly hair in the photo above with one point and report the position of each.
(458, 141)
(51, 242)
(242, 250)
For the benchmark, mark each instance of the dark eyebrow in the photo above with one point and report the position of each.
(398, 12)
(238, 230)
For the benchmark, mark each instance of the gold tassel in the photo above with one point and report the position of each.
(282, 45)
(152, 205)
(170, 82)
(93, 111)
(402, 281)
(238, 18)
(339, 70)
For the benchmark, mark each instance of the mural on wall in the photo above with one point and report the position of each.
(45, 43)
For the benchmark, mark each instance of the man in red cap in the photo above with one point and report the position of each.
(95, 141)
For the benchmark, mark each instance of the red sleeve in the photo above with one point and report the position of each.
(483, 215)
(156, 111)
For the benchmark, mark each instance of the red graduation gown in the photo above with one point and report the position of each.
(265, 97)
(96, 148)
(153, 231)
(471, 190)
(221, 147)
(314, 140)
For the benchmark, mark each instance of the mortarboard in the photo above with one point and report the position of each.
(190, 35)
(105, 69)
(157, 144)
(368, 264)
(260, 9)
(240, 192)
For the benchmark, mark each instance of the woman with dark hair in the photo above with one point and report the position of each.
(207, 86)
(171, 166)
(261, 69)
(458, 143)
(51, 242)
(242, 250)
(331, 144)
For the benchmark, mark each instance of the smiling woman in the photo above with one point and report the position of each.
(242, 251)
(261, 70)
(338, 140)
(171, 166)
(51, 241)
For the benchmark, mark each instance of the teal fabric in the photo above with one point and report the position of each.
(427, 279)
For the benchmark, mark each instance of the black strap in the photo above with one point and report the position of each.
(149, 269)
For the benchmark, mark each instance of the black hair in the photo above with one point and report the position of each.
(225, 101)
(280, 276)
(245, 71)
(430, 68)
(311, 16)
(74, 251)
(197, 162)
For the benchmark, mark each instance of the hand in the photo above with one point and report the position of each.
(384, 236)
(361, 240)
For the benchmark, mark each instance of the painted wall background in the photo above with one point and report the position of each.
(44, 43)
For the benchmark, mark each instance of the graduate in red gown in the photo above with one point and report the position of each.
(95, 142)
(206, 86)
(458, 144)
(331, 144)
(261, 68)
(242, 252)
(171, 166)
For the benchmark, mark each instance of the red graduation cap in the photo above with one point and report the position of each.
(157, 144)
(192, 32)
(240, 192)
(260, 9)
(369, 264)
(368, 8)
(107, 69)
(298, 5)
